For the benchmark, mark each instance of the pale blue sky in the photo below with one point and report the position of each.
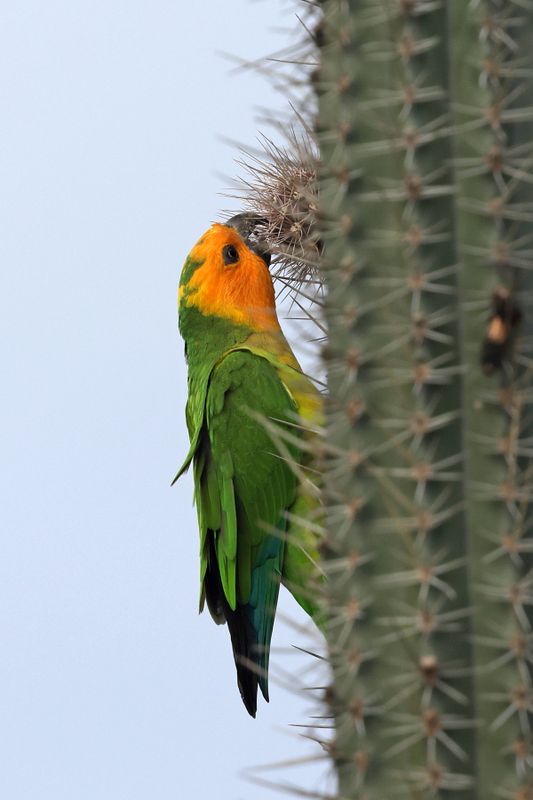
(111, 686)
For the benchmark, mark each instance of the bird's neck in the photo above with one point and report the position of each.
(208, 337)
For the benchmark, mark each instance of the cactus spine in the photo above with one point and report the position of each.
(425, 133)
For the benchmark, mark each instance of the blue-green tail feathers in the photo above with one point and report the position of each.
(250, 625)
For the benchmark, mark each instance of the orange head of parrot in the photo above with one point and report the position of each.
(226, 275)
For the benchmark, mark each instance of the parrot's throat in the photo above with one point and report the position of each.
(208, 337)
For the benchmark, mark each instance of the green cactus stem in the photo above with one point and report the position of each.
(424, 128)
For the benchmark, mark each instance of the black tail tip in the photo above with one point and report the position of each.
(249, 698)
(252, 710)
(248, 690)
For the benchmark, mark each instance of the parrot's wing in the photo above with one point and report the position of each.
(195, 412)
(243, 489)
(301, 572)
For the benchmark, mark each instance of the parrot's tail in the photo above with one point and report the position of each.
(251, 658)
(247, 658)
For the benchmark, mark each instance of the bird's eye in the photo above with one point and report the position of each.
(230, 254)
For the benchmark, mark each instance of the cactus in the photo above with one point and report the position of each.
(425, 130)
(422, 221)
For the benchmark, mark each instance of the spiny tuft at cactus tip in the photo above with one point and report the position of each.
(279, 184)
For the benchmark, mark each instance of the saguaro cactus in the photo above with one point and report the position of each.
(426, 195)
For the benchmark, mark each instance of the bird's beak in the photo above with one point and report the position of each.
(246, 226)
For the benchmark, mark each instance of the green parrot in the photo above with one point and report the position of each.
(246, 393)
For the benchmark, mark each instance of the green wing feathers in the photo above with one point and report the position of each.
(249, 502)
(242, 489)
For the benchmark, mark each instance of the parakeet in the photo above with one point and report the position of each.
(246, 392)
